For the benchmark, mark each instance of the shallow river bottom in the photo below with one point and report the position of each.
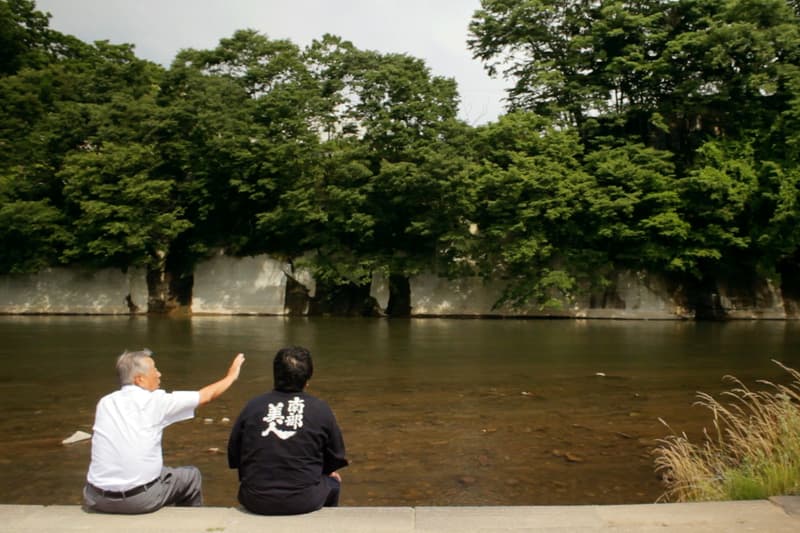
(433, 413)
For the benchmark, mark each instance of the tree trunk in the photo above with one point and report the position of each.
(399, 296)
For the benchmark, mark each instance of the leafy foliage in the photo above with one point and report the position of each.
(532, 215)
(657, 135)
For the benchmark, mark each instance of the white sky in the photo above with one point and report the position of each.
(432, 30)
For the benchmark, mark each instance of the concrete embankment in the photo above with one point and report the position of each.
(775, 516)
(263, 285)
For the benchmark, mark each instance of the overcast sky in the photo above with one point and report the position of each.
(432, 30)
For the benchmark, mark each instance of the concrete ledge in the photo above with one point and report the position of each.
(759, 515)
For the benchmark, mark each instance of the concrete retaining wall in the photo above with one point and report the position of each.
(74, 291)
(632, 295)
(258, 285)
(240, 285)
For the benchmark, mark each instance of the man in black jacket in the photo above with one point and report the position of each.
(287, 444)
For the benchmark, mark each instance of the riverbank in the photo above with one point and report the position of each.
(265, 286)
(777, 515)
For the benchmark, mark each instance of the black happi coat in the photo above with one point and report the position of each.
(284, 445)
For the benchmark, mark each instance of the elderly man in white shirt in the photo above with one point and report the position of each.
(127, 474)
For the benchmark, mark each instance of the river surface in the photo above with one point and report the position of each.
(434, 411)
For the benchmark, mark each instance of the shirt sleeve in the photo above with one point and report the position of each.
(333, 456)
(179, 405)
(235, 442)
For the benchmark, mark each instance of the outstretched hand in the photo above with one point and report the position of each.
(236, 366)
(209, 392)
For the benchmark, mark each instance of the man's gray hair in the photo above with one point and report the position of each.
(131, 364)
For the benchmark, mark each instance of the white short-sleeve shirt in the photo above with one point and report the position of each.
(128, 424)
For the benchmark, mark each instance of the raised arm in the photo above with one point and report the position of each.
(212, 391)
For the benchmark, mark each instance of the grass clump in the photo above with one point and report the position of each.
(753, 451)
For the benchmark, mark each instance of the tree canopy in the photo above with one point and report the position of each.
(654, 135)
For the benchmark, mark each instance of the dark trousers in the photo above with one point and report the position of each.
(175, 486)
(333, 495)
(326, 494)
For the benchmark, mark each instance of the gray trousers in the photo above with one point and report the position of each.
(175, 486)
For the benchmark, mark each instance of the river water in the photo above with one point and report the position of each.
(434, 411)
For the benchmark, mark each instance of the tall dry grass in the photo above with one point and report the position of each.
(753, 451)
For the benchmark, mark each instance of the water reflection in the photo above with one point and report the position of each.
(435, 411)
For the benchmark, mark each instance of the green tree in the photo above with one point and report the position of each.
(719, 196)
(686, 111)
(123, 215)
(50, 92)
(386, 188)
(407, 123)
(636, 208)
(204, 133)
(25, 36)
(78, 158)
(532, 217)
(33, 234)
(571, 59)
(268, 146)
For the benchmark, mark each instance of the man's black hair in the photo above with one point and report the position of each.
(292, 368)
